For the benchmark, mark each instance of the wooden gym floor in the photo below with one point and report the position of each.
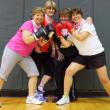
(81, 104)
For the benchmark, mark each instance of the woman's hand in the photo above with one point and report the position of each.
(37, 49)
(60, 56)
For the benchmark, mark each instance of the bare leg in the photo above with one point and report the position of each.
(72, 69)
(70, 72)
(1, 86)
(103, 77)
(32, 85)
(1, 83)
(44, 80)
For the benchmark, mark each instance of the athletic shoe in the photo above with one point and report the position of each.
(37, 93)
(33, 100)
(55, 98)
(63, 100)
(40, 97)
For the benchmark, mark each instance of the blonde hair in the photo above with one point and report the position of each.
(37, 10)
(50, 3)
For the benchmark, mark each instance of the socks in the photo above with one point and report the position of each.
(65, 95)
(40, 88)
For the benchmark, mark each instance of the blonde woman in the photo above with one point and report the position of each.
(44, 54)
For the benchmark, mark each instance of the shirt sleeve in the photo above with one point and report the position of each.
(88, 28)
(27, 26)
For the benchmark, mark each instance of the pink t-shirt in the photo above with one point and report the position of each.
(17, 44)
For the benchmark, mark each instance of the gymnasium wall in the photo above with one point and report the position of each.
(14, 12)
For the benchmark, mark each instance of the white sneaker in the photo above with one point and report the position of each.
(63, 100)
(33, 100)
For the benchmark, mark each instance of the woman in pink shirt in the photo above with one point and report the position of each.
(17, 51)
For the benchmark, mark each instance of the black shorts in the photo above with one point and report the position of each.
(70, 51)
(91, 62)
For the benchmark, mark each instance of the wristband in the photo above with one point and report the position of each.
(35, 37)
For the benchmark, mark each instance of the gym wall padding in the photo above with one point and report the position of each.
(14, 12)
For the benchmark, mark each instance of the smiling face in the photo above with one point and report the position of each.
(38, 18)
(50, 11)
(50, 8)
(76, 15)
(76, 18)
(64, 15)
(37, 15)
(64, 18)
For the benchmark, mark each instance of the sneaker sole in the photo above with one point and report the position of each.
(34, 103)
(63, 104)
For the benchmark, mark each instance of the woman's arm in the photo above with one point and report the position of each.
(65, 43)
(37, 49)
(80, 36)
(28, 37)
(60, 56)
(89, 20)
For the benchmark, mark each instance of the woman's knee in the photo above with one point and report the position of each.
(69, 72)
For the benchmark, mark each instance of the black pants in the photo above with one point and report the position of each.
(61, 66)
(44, 62)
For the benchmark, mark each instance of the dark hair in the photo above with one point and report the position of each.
(76, 11)
(65, 12)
